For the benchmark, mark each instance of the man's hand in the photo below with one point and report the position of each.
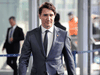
(3, 49)
(11, 39)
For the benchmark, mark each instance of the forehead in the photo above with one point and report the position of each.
(47, 11)
(11, 20)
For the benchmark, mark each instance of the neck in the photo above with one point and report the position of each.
(46, 27)
(13, 25)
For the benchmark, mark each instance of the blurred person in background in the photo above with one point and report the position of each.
(96, 25)
(57, 23)
(96, 31)
(73, 31)
(73, 24)
(12, 43)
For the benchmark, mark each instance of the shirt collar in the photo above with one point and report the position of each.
(14, 26)
(50, 29)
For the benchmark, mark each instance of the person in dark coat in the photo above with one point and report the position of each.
(12, 43)
(57, 23)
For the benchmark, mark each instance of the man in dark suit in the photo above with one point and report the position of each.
(57, 23)
(47, 43)
(12, 43)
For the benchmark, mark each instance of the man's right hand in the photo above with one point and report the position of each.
(3, 49)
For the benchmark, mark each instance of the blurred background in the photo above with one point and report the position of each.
(86, 14)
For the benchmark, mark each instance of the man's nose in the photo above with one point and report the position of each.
(48, 17)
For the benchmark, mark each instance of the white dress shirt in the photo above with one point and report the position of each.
(50, 37)
(13, 28)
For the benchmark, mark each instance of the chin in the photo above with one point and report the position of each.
(49, 25)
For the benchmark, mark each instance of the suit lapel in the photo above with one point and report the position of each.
(39, 39)
(55, 35)
(15, 31)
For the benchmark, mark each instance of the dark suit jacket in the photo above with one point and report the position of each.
(59, 25)
(52, 64)
(14, 47)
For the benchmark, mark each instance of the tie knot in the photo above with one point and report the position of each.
(11, 28)
(47, 31)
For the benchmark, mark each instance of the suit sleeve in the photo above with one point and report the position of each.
(20, 36)
(68, 56)
(25, 55)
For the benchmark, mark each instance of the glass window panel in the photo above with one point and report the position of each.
(95, 66)
(8, 8)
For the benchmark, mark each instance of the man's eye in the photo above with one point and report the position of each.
(51, 14)
(45, 14)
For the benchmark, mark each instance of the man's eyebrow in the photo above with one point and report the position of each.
(47, 14)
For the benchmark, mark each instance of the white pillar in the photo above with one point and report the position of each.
(33, 12)
(33, 23)
(83, 35)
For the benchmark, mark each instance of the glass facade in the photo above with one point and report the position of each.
(95, 16)
(8, 8)
(63, 7)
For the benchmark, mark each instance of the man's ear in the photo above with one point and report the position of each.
(39, 16)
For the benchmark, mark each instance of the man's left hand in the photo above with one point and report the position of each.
(11, 39)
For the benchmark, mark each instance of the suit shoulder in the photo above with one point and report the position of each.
(64, 33)
(61, 30)
(19, 27)
(33, 31)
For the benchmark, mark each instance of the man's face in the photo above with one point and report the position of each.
(12, 22)
(47, 18)
(70, 17)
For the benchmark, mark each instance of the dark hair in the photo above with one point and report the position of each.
(70, 13)
(47, 5)
(12, 17)
(57, 17)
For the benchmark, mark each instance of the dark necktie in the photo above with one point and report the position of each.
(11, 32)
(46, 41)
